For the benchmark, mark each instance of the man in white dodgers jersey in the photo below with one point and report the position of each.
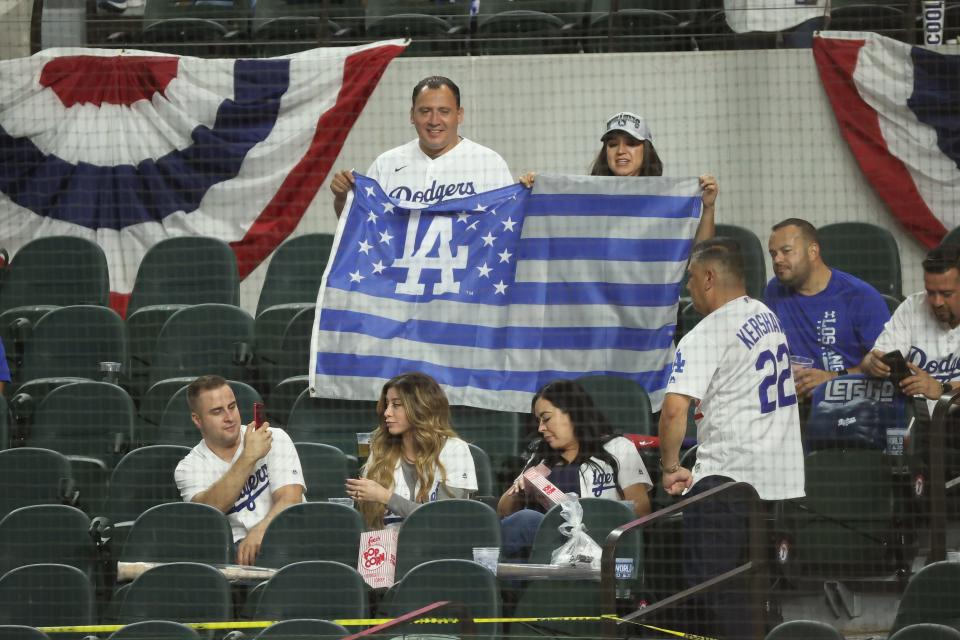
(440, 164)
(250, 474)
(924, 328)
(736, 363)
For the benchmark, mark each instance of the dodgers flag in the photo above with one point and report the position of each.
(127, 148)
(898, 107)
(495, 295)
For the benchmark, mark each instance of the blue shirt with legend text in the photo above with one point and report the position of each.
(836, 327)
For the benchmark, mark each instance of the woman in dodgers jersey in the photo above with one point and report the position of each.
(584, 458)
(415, 455)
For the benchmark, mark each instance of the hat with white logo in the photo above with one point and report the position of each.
(629, 123)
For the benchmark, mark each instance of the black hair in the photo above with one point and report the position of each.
(436, 82)
(941, 259)
(807, 230)
(651, 165)
(590, 428)
(721, 251)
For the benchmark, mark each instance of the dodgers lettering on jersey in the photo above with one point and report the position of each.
(944, 369)
(601, 482)
(434, 193)
(257, 483)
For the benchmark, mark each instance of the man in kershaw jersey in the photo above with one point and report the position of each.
(440, 164)
(924, 329)
(736, 364)
(250, 474)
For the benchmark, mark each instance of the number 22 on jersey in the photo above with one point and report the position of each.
(777, 373)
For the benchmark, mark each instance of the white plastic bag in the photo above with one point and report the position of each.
(580, 548)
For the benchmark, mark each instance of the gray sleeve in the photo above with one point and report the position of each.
(404, 507)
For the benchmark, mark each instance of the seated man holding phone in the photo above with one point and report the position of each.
(249, 472)
(924, 330)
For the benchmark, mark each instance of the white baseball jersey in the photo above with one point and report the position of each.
(737, 363)
(406, 173)
(279, 468)
(458, 464)
(770, 15)
(596, 479)
(922, 339)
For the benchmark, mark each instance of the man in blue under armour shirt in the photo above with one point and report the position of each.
(829, 316)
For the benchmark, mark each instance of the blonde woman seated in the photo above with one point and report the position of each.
(415, 455)
(584, 457)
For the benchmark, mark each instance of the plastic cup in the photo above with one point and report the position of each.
(111, 371)
(363, 445)
(801, 362)
(489, 557)
(347, 502)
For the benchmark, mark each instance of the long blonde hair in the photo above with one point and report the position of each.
(428, 412)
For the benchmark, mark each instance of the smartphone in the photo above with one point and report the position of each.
(898, 366)
(257, 414)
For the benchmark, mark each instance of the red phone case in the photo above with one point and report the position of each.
(257, 414)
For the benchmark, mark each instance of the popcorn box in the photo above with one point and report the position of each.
(546, 493)
(377, 562)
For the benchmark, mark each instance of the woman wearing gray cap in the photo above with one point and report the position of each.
(628, 151)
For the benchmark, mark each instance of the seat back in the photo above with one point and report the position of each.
(282, 398)
(325, 470)
(930, 597)
(312, 531)
(46, 595)
(46, 533)
(296, 267)
(93, 419)
(445, 529)
(865, 250)
(204, 339)
(31, 476)
(4, 423)
(459, 581)
(600, 517)
(179, 532)
(142, 479)
(295, 345)
(496, 432)
(481, 464)
(56, 270)
(21, 632)
(192, 269)
(331, 421)
(73, 341)
(926, 631)
(622, 401)
(303, 629)
(180, 592)
(804, 630)
(313, 589)
(152, 405)
(269, 327)
(176, 425)
(754, 257)
(155, 630)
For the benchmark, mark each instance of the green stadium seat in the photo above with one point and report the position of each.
(866, 251)
(926, 631)
(930, 597)
(155, 630)
(883, 16)
(313, 589)
(20, 632)
(461, 581)
(312, 531)
(269, 329)
(281, 27)
(143, 329)
(45, 533)
(205, 339)
(295, 345)
(142, 479)
(325, 470)
(32, 476)
(283, 397)
(496, 432)
(152, 405)
(72, 342)
(38, 595)
(804, 630)
(57, 271)
(639, 25)
(529, 26)
(180, 592)
(558, 598)
(481, 463)
(434, 28)
(445, 529)
(177, 427)
(303, 629)
(190, 29)
(179, 532)
(625, 403)
(330, 421)
(4, 423)
(754, 257)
